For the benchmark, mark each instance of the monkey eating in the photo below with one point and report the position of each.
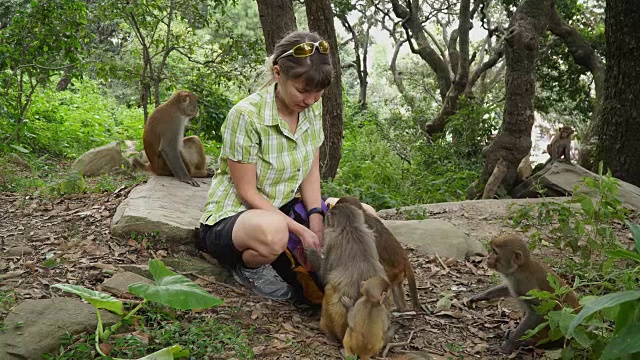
(560, 145)
(166, 149)
(392, 257)
(350, 257)
(511, 258)
(368, 320)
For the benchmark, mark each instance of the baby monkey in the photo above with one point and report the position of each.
(560, 145)
(510, 257)
(368, 320)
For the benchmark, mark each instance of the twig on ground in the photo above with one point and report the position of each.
(390, 345)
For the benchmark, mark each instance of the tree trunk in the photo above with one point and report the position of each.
(618, 143)
(513, 141)
(277, 19)
(320, 19)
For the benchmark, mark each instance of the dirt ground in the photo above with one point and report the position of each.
(71, 242)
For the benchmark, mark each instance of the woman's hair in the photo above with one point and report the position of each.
(315, 70)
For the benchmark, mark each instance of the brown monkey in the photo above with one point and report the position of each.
(168, 152)
(350, 257)
(510, 257)
(368, 320)
(560, 145)
(392, 257)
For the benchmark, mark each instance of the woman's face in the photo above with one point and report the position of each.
(294, 93)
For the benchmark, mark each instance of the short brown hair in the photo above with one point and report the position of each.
(315, 70)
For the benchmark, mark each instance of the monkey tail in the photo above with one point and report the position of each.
(413, 290)
(139, 164)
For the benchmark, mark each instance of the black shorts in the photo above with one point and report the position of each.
(217, 240)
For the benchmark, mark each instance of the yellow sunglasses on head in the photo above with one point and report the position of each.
(306, 49)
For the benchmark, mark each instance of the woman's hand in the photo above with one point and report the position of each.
(316, 225)
(308, 238)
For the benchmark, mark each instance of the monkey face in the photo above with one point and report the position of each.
(188, 103)
(492, 258)
(565, 132)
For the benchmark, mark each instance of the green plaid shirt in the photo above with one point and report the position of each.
(254, 133)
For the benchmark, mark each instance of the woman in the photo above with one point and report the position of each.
(269, 152)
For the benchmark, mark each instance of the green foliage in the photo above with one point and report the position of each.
(82, 119)
(169, 289)
(214, 106)
(386, 163)
(565, 94)
(203, 336)
(41, 39)
(582, 225)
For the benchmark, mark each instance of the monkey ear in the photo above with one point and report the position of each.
(518, 259)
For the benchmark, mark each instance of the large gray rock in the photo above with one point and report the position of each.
(559, 179)
(35, 327)
(163, 204)
(101, 160)
(434, 236)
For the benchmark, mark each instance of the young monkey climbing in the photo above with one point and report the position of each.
(510, 257)
(368, 320)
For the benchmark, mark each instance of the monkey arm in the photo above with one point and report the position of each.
(530, 321)
(173, 159)
(492, 293)
(347, 302)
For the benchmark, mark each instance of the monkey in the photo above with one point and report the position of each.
(392, 257)
(560, 145)
(168, 153)
(350, 257)
(511, 258)
(368, 320)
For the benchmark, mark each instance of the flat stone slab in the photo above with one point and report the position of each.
(559, 178)
(436, 237)
(35, 327)
(163, 204)
(119, 283)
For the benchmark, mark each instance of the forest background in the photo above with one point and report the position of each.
(415, 112)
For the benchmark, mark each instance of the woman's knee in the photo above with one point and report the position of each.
(262, 231)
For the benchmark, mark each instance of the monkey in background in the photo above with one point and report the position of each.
(560, 145)
(511, 258)
(392, 257)
(166, 149)
(368, 320)
(350, 257)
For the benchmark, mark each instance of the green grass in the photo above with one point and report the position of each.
(202, 334)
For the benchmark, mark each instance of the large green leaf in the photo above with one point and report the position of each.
(635, 232)
(603, 302)
(95, 298)
(159, 270)
(624, 254)
(168, 353)
(173, 290)
(623, 344)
